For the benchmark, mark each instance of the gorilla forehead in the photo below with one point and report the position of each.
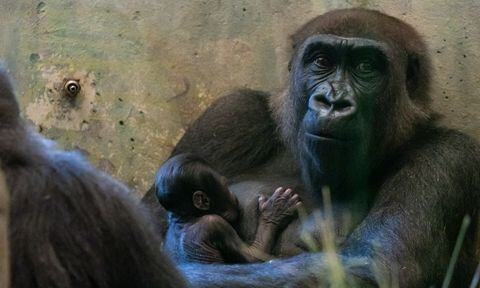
(342, 43)
(361, 23)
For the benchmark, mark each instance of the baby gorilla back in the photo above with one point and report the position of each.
(70, 225)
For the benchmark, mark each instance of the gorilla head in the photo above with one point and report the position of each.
(358, 88)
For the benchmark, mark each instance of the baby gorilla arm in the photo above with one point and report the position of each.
(231, 247)
(275, 213)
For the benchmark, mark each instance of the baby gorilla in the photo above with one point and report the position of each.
(203, 210)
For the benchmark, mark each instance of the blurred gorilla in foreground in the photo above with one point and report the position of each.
(70, 225)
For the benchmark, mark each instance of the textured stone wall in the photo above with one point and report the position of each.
(148, 68)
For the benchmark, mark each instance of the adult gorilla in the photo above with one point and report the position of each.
(356, 117)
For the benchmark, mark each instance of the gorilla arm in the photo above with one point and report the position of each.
(402, 239)
(412, 228)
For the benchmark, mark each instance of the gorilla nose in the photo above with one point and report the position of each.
(325, 105)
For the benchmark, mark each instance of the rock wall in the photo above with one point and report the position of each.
(148, 68)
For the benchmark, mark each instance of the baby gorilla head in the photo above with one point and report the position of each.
(187, 186)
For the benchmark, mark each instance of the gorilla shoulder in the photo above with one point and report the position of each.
(234, 134)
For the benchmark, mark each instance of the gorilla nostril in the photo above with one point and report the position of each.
(319, 101)
(322, 103)
(342, 105)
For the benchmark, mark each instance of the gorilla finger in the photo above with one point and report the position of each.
(277, 192)
(294, 208)
(261, 201)
(293, 199)
(279, 189)
(299, 205)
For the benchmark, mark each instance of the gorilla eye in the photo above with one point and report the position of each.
(322, 62)
(366, 67)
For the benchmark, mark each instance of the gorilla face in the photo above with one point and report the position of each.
(339, 82)
(342, 77)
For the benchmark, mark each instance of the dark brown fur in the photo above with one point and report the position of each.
(423, 179)
(71, 225)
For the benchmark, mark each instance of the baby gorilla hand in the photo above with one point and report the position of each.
(279, 208)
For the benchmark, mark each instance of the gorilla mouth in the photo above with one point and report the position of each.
(323, 136)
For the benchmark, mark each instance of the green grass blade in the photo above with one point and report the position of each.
(456, 251)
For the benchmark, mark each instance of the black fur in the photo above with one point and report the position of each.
(422, 179)
(255, 142)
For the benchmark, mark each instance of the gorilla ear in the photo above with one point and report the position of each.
(413, 71)
(201, 200)
(294, 47)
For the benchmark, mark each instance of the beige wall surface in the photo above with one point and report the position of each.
(149, 67)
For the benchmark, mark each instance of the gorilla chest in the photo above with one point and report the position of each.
(306, 233)
(309, 232)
